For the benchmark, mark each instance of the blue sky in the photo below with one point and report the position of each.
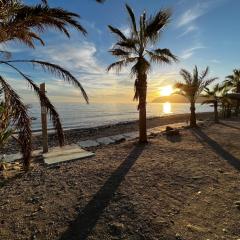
(203, 32)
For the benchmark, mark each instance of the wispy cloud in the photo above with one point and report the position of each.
(188, 53)
(215, 61)
(192, 14)
(189, 29)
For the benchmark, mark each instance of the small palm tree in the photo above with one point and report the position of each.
(233, 81)
(192, 87)
(20, 22)
(135, 50)
(213, 97)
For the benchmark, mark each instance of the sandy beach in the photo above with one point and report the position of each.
(76, 135)
(183, 187)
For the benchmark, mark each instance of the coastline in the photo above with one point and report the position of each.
(72, 136)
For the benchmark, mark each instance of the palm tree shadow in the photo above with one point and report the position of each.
(174, 139)
(230, 126)
(235, 162)
(87, 219)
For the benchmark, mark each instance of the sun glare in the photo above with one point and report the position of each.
(166, 90)
(167, 108)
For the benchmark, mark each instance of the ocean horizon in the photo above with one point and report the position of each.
(79, 115)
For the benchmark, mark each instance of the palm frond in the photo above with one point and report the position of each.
(117, 32)
(33, 20)
(132, 17)
(119, 52)
(162, 56)
(46, 102)
(186, 76)
(54, 69)
(119, 64)
(157, 23)
(22, 121)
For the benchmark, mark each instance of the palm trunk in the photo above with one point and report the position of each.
(238, 101)
(193, 122)
(216, 112)
(142, 107)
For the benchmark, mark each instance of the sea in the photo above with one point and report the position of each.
(78, 115)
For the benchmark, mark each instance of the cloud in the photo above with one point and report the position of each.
(188, 53)
(215, 61)
(192, 14)
(126, 30)
(189, 29)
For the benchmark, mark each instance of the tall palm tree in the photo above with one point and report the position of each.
(136, 50)
(24, 23)
(191, 88)
(233, 81)
(213, 97)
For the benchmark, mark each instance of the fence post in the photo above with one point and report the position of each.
(44, 122)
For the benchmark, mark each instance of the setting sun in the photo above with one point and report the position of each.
(166, 90)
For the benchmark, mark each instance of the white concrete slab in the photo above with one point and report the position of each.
(118, 137)
(67, 157)
(88, 143)
(131, 135)
(54, 152)
(105, 140)
(12, 157)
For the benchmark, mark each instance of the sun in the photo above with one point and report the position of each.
(166, 90)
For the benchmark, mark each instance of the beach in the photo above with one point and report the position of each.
(184, 187)
(73, 136)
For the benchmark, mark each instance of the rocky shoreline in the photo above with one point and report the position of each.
(73, 136)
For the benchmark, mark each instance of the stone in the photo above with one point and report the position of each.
(117, 228)
(168, 128)
(131, 135)
(174, 132)
(12, 157)
(105, 140)
(195, 228)
(118, 138)
(88, 143)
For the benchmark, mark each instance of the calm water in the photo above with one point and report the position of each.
(75, 115)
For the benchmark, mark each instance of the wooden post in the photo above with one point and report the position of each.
(44, 122)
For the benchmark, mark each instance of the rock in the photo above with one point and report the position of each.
(88, 143)
(117, 228)
(34, 200)
(195, 228)
(178, 236)
(118, 138)
(174, 132)
(168, 128)
(237, 204)
(105, 140)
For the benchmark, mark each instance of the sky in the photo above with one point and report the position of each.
(201, 32)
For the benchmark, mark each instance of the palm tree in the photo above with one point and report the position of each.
(192, 87)
(135, 50)
(213, 98)
(20, 22)
(233, 81)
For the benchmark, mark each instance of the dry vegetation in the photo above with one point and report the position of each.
(177, 188)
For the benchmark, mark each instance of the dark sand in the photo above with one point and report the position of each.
(179, 188)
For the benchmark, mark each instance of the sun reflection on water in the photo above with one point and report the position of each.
(167, 108)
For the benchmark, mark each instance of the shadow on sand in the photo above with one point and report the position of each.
(174, 139)
(230, 126)
(87, 219)
(235, 162)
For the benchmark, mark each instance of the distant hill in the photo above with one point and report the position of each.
(175, 98)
